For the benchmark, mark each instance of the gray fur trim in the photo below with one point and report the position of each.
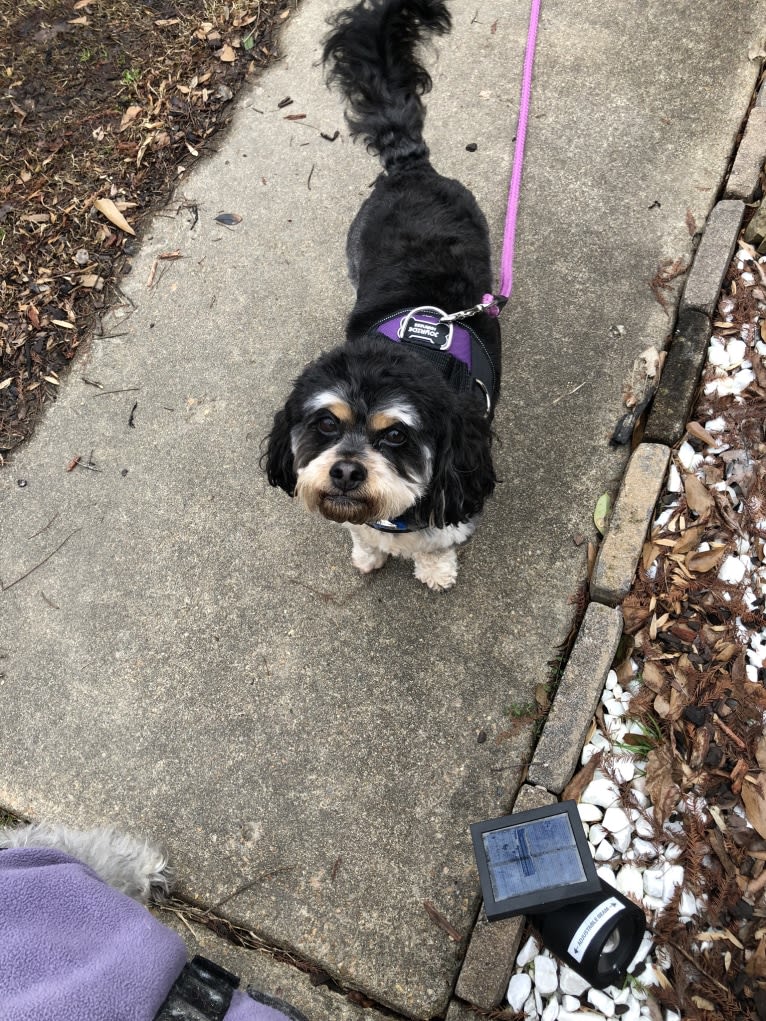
(133, 866)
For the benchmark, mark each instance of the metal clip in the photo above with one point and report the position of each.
(427, 310)
(472, 311)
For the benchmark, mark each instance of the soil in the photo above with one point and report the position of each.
(101, 101)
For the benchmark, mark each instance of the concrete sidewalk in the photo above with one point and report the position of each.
(199, 661)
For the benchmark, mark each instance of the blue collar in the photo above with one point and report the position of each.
(399, 524)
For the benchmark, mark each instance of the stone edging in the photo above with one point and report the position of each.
(491, 953)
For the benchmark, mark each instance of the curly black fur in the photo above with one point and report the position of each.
(371, 54)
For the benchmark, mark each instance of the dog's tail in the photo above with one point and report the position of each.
(371, 55)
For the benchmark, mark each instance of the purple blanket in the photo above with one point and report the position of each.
(74, 949)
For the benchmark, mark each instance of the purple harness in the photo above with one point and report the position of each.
(456, 348)
(459, 353)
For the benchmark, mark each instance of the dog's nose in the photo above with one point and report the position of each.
(348, 475)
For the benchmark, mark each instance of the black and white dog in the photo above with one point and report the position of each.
(390, 433)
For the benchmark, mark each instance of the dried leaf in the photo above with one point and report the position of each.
(660, 786)
(702, 1003)
(6, 383)
(690, 539)
(701, 563)
(129, 116)
(754, 799)
(63, 323)
(542, 697)
(436, 916)
(653, 676)
(227, 54)
(698, 498)
(662, 707)
(578, 783)
(699, 433)
(649, 554)
(592, 554)
(601, 513)
(108, 209)
(756, 966)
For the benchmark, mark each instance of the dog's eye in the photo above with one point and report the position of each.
(327, 425)
(393, 437)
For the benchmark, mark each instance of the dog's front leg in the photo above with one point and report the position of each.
(366, 556)
(437, 570)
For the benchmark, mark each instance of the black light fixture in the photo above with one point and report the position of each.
(537, 863)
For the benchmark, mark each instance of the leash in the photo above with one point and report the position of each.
(509, 236)
(492, 304)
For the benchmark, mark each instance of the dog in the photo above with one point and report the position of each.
(390, 433)
(77, 943)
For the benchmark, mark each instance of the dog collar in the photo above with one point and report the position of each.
(400, 524)
(454, 347)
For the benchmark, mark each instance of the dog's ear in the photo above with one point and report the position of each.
(463, 476)
(278, 459)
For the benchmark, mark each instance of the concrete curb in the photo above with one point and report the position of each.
(558, 750)
(678, 383)
(746, 172)
(713, 257)
(492, 949)
(618, 556)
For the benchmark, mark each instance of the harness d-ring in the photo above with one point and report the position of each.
(424, 330)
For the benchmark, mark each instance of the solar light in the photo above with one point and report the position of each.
(537, 863)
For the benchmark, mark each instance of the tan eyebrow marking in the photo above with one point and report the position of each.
(394, 415)
(331, 401)
(342, 411)
(382, 420)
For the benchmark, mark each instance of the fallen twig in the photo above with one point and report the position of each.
(4, 587)
(444, 923)
(248, 886)
(40, 532)
(561, 398)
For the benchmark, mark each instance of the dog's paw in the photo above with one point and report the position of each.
(437, 570)
(366, 561)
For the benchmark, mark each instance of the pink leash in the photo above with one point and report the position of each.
(494, 303)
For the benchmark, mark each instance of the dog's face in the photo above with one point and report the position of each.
(371, 430)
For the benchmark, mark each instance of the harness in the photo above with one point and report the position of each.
(458, 352)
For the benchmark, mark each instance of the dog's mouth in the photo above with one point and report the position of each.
(345, 508)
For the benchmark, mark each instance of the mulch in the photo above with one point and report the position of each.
(105, 107)
(702, 707)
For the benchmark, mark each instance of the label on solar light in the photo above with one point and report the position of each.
(592, 924)
(532, 856)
